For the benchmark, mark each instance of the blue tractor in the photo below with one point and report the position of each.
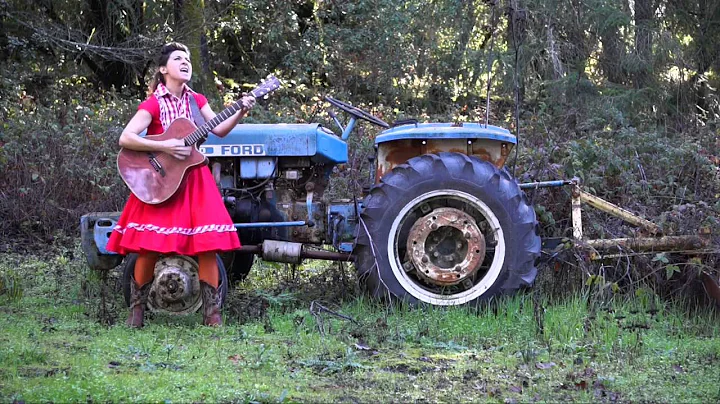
(443, 223)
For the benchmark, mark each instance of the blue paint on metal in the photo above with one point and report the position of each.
(342, 221)
(281, 139)
(309, 207)
(337, 121)
(269, 224)
(545, 184)
(101, 233)
(257, 167)
(349, 128)
(446, 131)
(346, 247)
(330, 148)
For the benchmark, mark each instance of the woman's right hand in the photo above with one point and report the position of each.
(176, 148)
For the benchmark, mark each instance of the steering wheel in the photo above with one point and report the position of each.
(357, 112)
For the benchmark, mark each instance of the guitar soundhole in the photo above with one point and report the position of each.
(156, 164)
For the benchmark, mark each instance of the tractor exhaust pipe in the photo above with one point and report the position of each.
(291, 253)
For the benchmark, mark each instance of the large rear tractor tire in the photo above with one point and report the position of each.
(446, 229)
(176, 286)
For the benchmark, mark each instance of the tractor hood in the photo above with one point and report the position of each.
(278, 140)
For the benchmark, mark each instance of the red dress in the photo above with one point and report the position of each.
(194, 219)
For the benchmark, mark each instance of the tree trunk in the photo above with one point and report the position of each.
(190, 26)
(644, 11)
(707, 51)
(579, 51)
(100, 19)
(3, 40)
(516, 35)
(466, 19)
(612, 54)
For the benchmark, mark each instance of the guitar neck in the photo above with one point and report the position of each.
(202, 132)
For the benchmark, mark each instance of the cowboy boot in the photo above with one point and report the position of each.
(210, 305)
(138, 301)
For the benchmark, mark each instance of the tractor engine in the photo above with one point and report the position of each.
(273, 189)
(273, 177)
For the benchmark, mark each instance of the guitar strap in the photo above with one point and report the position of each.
(197, 116)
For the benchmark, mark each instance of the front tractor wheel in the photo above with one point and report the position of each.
(446, 229)
(176, 286)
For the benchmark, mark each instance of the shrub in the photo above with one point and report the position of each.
(57, 155)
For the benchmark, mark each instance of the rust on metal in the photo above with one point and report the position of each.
(249, 249)
(392, 154)
(445, 247)
(326, 255)
(282, 251)
(176, 286)
(304, 253)
(504, 150)
(298, 211)
(494, 151)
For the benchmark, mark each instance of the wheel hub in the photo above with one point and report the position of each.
(445, 247)
(176, 287)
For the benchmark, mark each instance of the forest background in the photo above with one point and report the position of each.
(620, 94)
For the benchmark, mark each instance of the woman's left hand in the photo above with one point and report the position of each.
(247, 102)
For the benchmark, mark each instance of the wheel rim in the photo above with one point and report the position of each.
(176, 287)
(421, 253)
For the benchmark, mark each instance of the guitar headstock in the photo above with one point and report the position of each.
(271, 83)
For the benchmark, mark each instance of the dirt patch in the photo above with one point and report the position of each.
(407, 369)
(244, 307)
(294, 289)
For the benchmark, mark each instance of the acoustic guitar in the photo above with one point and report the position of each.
(155, 176)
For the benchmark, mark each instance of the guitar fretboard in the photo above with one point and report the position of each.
(202, 132)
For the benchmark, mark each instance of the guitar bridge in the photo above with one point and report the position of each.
(156, 164)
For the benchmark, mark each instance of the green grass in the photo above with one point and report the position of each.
(55, 348)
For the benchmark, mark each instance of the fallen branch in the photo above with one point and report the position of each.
(316, 309)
